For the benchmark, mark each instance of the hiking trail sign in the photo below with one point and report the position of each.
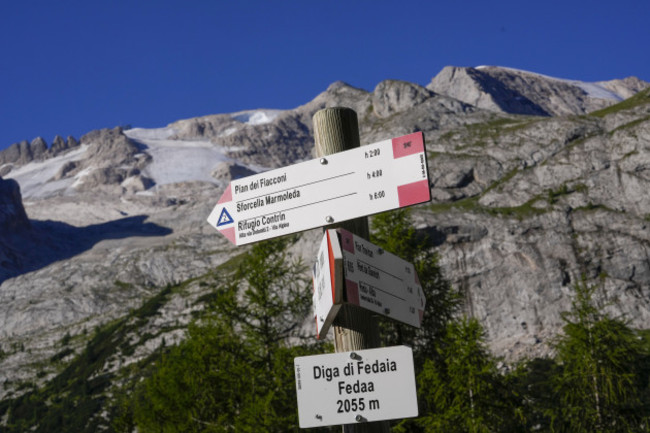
(358, 182)
(380, 281)
(354, 387)
(352, 269)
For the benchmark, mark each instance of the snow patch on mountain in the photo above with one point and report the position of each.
(257, 117)
(172, 161)
(150, 133)
(35, 178)
(80, 177)
(177, 160)
(228, 132)
(596, 90)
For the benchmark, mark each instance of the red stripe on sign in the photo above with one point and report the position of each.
(230, 234)
(347, 241)
(413, 193)
(353, 292)
(408, 145)
(226, 196)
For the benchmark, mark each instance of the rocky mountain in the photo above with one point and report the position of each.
(13, 223)
(521, 92)
(532, 191)
(12, 213)
(24, 152)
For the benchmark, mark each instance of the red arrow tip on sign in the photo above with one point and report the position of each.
(221, 218)
(226, 196)
(230, 234)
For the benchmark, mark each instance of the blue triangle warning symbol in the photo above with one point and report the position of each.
(224, 218)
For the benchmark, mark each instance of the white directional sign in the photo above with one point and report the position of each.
(327, 274)
(354, 387)
(380, 281)
(342, 186)
(348, 266)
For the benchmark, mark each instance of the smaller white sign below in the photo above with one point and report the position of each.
(355, 387)
(327, 275)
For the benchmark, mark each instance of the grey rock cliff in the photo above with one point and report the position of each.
(480, 89)
(111, 158)
(12, 213)
(58, 145)
(25, 152)
(37, 151)
(14, 228)
(392, 96)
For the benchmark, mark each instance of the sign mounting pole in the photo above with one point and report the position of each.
(336, 130)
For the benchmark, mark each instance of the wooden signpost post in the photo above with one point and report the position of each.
(337, 130)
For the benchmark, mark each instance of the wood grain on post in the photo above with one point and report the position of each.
(336, 130)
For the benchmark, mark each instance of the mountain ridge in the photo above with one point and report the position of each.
(522, 92)
(481, 86)
(523, 207)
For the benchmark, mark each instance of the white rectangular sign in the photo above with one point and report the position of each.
(354, 387)
(370, 278)
(380, 281)
(342, 186)
(327, 275)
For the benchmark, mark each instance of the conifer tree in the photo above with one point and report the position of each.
(395, 232)
(462, 391)
(599, 383)
(530, 380)
(198, 385)
(233, 373)
(268, 297)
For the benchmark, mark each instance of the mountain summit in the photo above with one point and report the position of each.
(521, 92)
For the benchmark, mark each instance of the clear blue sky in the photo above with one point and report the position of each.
(68, 67)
